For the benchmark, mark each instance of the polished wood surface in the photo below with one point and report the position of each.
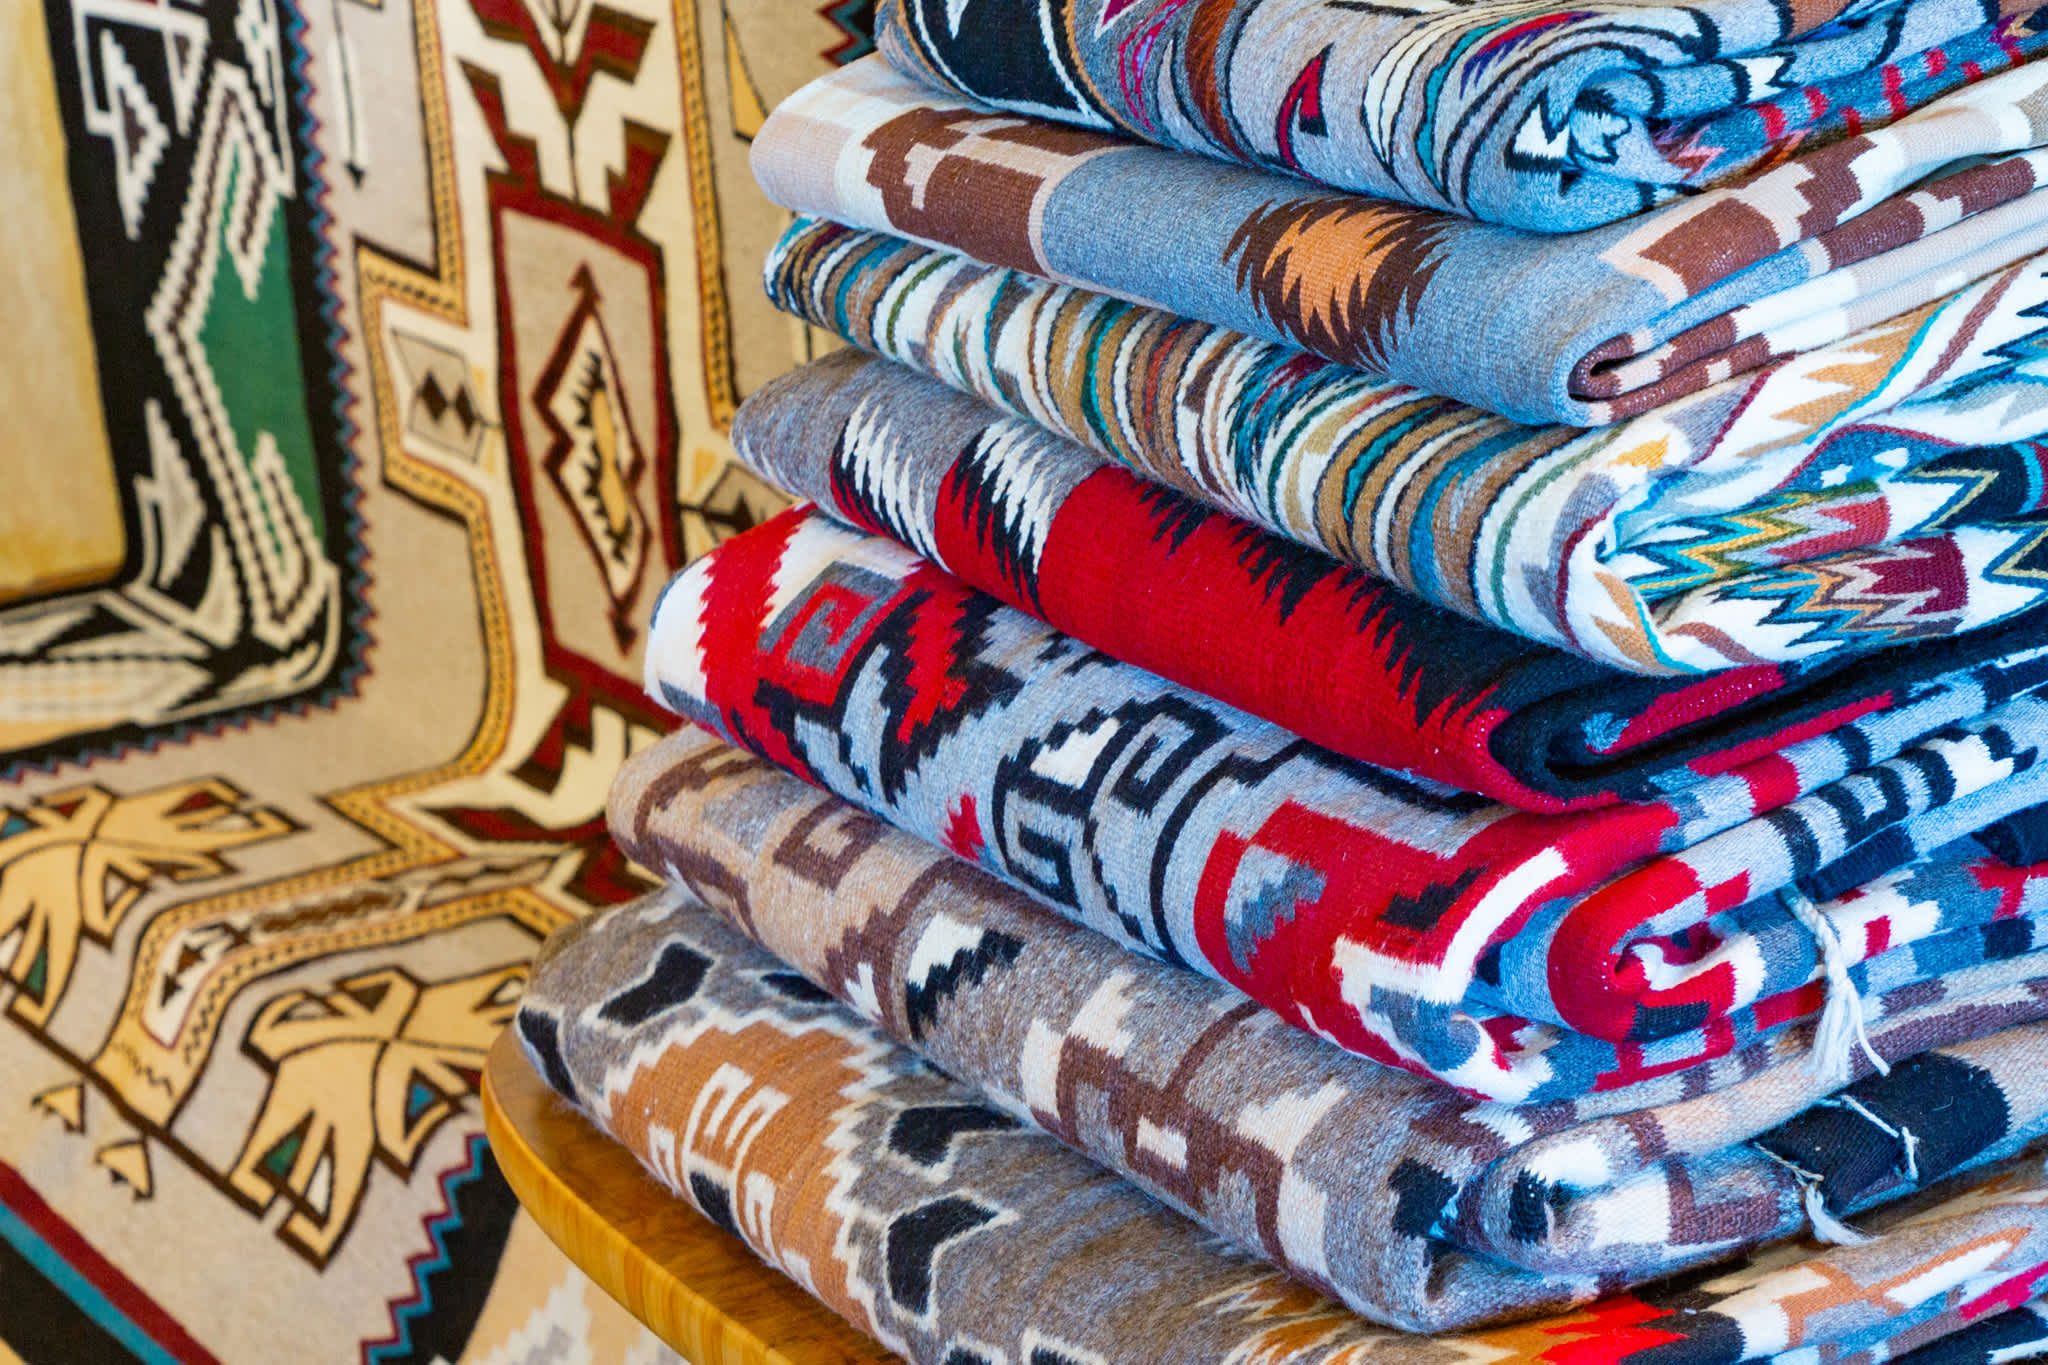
(700, 1289)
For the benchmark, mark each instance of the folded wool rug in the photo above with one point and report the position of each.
(1233, 611)
(954, 1234)
(2016, 1334)
(1842, 499)
(1545, 117)
(1585, 329)
(1397, 917)
(2019, 839)
(1414, 1206)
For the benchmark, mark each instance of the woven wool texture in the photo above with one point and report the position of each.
(949, 1231)
(2013, 1335)
(1842, 499)
(1550, 118)
(365, 371)
(1582, 328)
(1415, 1207)
(1419, 925)
(1233, 611)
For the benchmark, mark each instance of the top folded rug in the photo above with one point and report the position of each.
(1585, 329)
(1521, 112)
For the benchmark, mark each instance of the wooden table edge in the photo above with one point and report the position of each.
(696, 1286)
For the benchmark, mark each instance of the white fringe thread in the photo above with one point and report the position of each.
(1840, 1030)
(1826, 1227)
(1904, 1136)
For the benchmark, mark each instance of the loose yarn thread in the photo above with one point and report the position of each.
(1840, 1030)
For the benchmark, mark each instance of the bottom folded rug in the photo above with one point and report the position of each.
(956, 1235)
(1412, 1205)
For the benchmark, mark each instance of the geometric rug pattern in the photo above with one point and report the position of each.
(384, 356)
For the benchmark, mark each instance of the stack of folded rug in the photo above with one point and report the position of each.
(1591, 874)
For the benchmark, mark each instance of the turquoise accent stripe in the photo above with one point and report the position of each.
(81, 1291)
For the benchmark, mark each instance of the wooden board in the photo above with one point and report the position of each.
(699, 1288)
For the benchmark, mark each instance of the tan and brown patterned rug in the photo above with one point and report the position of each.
(369, 369)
